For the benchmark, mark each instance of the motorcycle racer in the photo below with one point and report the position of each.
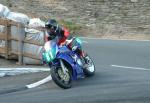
(61, 36)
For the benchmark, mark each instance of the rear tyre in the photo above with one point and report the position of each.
(62, 80)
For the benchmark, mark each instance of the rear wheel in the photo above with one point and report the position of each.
(90, 67)
(62, 80)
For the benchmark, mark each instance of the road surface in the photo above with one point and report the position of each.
(122, 76)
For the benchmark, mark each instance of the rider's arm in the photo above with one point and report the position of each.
(64, 33)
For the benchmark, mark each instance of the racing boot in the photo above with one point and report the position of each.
(83, 59)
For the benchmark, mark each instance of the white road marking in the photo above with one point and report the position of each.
(136, 68)
(16, 71)
(23, 69)
(43, 81)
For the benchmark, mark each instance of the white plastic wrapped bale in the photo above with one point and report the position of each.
(2, 28)
(15, 33)
(4, 11)
(18, 17)
(2, 42)
(34, 35)
(34, 50)
(36, 22)
(1, 10)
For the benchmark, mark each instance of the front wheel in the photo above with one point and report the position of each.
(62, 80)
(90, 67)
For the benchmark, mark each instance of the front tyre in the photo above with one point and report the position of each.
(62, 80)
(90, 67)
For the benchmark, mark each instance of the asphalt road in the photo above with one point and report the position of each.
(122, 76)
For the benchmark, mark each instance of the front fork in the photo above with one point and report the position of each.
(64, 69)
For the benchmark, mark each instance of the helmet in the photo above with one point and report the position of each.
(51, 23)
(51, 28)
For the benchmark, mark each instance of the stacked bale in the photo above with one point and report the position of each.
(15, 31)
(36, 36)
(25, 35)
(4, 12)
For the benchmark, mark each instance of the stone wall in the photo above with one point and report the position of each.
(101, 17)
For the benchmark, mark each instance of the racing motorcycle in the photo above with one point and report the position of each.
(66, 65)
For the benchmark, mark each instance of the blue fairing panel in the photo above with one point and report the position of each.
(77, 71)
